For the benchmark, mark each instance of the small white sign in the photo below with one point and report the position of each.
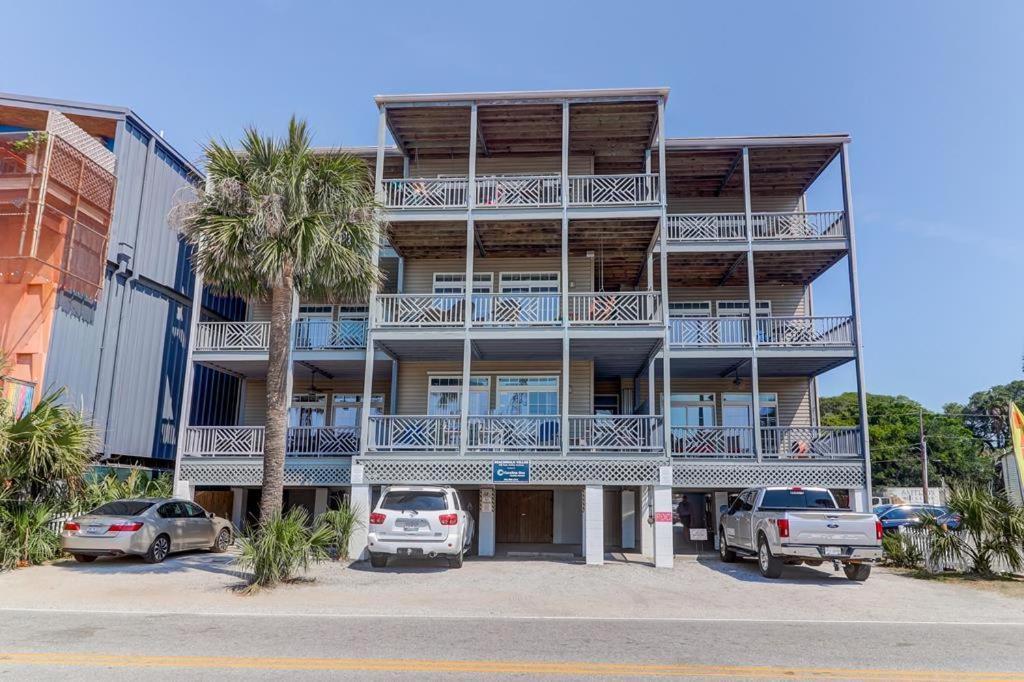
(698, 534)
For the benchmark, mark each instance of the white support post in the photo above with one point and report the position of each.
(593, 524)
(666, 393)
(359, 502)
(860, 501)
(628, 506)
(721, 500)
(485, 522)
(467, 313)
(664, 551)
(647, 521)
(651, 394)
(237, 508)
(185, 413)
(393, 394)
(755, 389)
(851, 259)
(319, 501)
(564, 288)
(566, 371)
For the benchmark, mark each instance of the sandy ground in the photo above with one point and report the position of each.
(695, 589)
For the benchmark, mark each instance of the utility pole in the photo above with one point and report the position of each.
(924, 456)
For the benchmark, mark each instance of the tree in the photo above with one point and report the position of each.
(986, 412)
(990, 531)
(277, 219)
(954, 452)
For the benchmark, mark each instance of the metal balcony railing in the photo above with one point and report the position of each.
(514, 433)
(615, 308)
(516, 310)
(248, 441)
(703, 227)
(420, 310)
(708, 332)
(530, 191)
(346, 334)
(811, 442)
(730, 227)
(441, 193)
(390, 433)
(616, 434)
(713, 442)
(614, 190)
(805, 331)
(232, 336)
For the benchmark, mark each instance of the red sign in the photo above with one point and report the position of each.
(663, 517)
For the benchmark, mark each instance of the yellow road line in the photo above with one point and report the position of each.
(578, 668)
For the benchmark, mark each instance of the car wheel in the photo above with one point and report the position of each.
(159, 550)
(84, 558)
(857, 572)
(455, 561)
(769, 566)
(222, 542)
(378, 560)
(724, 553)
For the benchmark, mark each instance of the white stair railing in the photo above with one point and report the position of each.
(615, 308)
(518, 190)
(232, 336)
(390, 433)
(513, 433)
(619, 433)
(425, 192)
(420, 310)
(613, 190)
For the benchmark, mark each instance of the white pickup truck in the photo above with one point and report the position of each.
(799, 526)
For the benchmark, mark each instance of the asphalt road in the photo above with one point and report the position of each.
(83, 645)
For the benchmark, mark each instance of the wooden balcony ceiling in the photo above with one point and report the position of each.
(730, 269)
(619, 244)
(35, 119)
(614, 133)
(774, 171)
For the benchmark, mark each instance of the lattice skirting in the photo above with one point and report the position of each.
(546, 471)
(746, 474)
(247, 471)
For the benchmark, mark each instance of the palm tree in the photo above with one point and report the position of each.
(990, 531)
(277, 219)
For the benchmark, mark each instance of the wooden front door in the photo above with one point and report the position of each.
(216, 501)
(525, 516)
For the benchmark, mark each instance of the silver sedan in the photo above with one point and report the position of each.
(150, 528)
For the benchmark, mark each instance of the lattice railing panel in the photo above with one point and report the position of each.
(249, 472)
(516, 310)
(347, 334)
(800, 225)
(707, 227)
(519, 190)
(546, 471)
(709, 331)
(322, 440)
(419, 433)
(613, 190)
(717, 442)
(625, 433)
(420, 310)
(805, 331)
(724, 475)
(615, 308)
(509, 433)
(426, 192)
(241, 441)
(811, 442)
(231, 336)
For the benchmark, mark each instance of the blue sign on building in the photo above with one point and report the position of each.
(511, 471)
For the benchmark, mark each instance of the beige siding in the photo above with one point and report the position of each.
(496, 165)
(255, 409)
(419, 273)
(786, 300)
(793, 393)
(733, 204)
(413, 381)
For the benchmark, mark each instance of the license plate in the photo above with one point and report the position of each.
(95, 530)
(833, 551)
(410, 524)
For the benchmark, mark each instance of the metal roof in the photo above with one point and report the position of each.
(524, 95)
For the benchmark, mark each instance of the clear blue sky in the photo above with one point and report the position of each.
(931, 92)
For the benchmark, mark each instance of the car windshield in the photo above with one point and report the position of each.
(414, 500)
(121, 508)
(797, 498)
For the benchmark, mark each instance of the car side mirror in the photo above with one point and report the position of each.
(209, 515)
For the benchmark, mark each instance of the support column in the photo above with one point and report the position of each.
(593, 524)
(485, 522)
(721, 500)
(359, 502)
(755, 388)
(467, 313)
(628, 506)
(860, 501)
(666, 361)
(851, 259)
(564, 282)
(185, 411)
(664, 550)
(237, 508)
(651, 393)
(319, 501)
(647, 521)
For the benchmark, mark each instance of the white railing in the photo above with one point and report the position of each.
(621, 433)
(516, 310)
(514, 433)
(800, 225)
(613, 190)
(810, 442)
(805, 331)
(718, 442)
(248, 441)
(423, 433)
(227, 336)
(706, 227)
(518, 190)
(425, 192)
(347, 334)
(615, 308)
(420, 310)
(702, 332)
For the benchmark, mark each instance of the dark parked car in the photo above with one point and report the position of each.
(897, 516)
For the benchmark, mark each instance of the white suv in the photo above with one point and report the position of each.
(419, 521)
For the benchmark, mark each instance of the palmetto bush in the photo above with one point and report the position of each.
(137, 483)
(900, 551)
(282, 546)
(990, 533)
(341, 523)
(25, 535)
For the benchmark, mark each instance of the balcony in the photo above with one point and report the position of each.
(248, 441)
(420, 310)
(516, 310)
(778, 443)
(774, 332)
(730, 227)
(615, 308)
(620, 433)
(522, 191)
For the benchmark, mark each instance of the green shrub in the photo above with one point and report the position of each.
(276, 550)
(25, 536)
(99, 491)
(900, 551)
(341, 523)
(991, 532)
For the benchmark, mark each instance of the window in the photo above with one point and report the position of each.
(527, 395)
(606, 404)
(797, 498)
(455, 283)
(414, 500)
(346, 407)
(693, 409)
(308, 409)
(742, 308)
(445, 392)
(194, 511)
(529, 282)
(171, 510)
(314, 330)
(121, 508)
(736, 409)
(690, 309)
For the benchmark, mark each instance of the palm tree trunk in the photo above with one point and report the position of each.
(278, 400)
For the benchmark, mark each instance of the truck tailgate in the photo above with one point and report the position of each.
(832, 528)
